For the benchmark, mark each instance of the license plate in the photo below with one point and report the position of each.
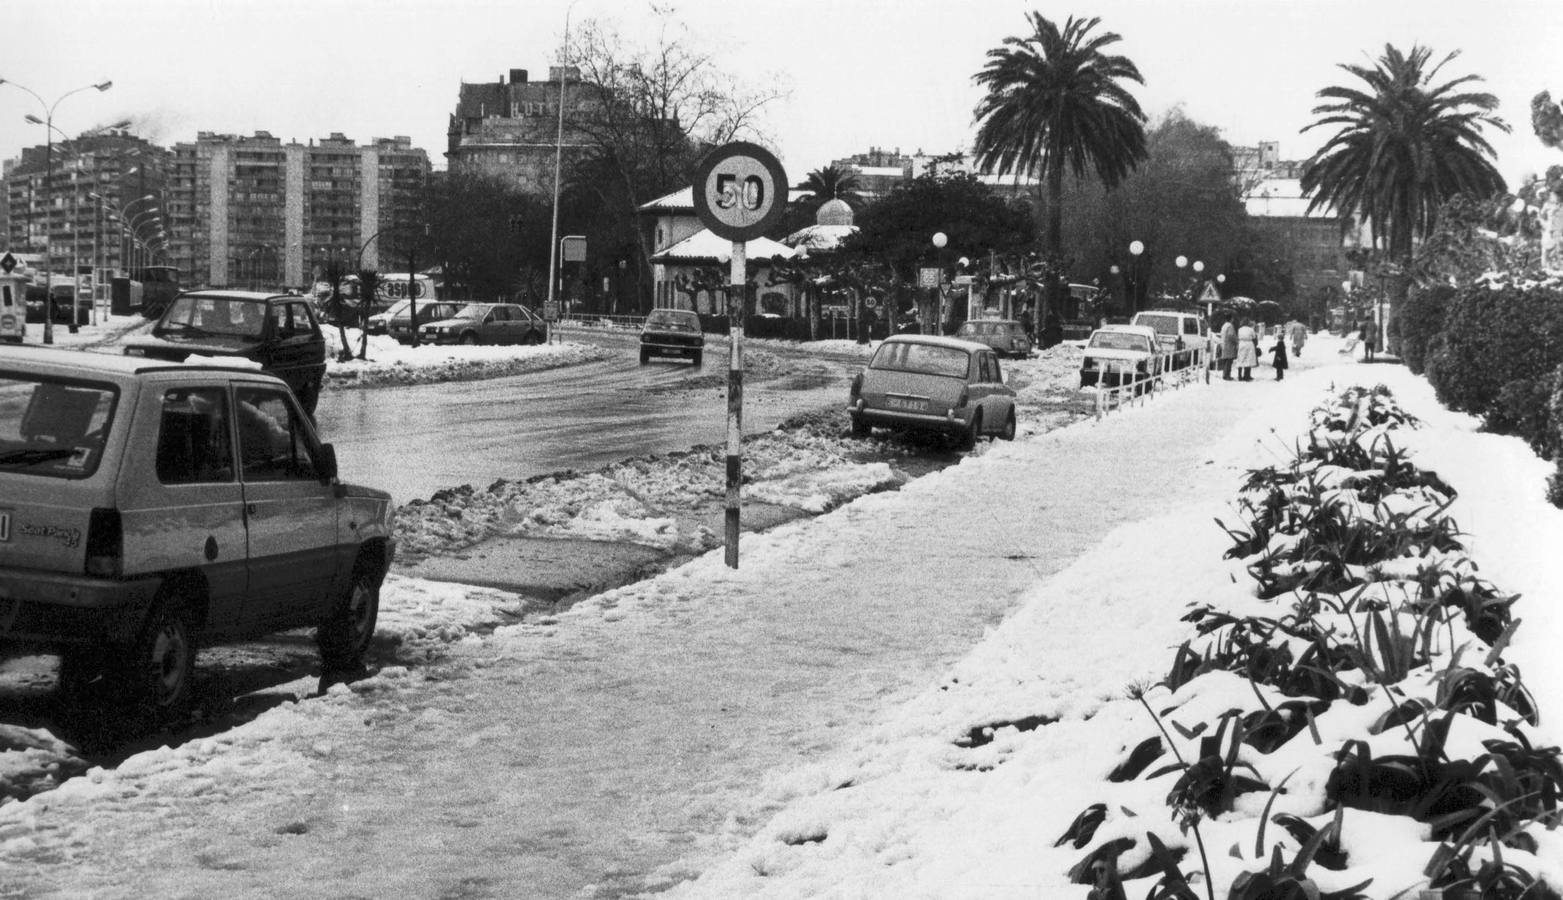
(905, 403)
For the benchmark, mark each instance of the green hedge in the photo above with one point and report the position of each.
(1492, 337)
(1420, 319)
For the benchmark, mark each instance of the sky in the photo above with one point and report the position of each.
(893, 74)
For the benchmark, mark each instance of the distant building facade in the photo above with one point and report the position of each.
(88, 203)
(1315, 241)
(225, 210)
(252, 211)
(511, 130)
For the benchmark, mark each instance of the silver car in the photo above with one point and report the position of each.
(939, 384)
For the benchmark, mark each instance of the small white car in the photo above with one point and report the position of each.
(149, 506)
(1117, 355)
(931, 383)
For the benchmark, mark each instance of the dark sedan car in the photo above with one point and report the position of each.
(672, 332)
(279, 331)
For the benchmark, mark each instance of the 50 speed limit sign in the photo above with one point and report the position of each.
(740, 190)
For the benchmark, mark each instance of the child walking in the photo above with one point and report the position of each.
(1280, 357)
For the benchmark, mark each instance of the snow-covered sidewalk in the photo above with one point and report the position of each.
(651, 734)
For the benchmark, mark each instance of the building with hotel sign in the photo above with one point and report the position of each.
(510, 129)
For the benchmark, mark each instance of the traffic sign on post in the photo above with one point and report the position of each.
(740, 191)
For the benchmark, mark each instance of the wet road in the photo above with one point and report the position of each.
(417, 440)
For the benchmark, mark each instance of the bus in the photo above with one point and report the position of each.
(393, 287)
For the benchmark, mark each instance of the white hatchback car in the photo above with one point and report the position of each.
(150, 506)
(1118, 355)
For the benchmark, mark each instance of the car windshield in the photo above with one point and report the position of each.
(924, 359)
(1118, 340)
(53, 427)
(214, 316)
(1162, 324)
(673, 320)
(470, 311)
(399, 308)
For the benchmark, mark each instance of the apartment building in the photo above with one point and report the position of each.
(87, 204)
(253, 211)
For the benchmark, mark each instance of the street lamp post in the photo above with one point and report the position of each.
(1135, 249)
(48, 193)
(553, 237)
(939, 242)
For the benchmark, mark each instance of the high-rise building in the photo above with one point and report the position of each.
(85, 204)
(255, 212)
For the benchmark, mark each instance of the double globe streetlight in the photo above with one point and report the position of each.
(48, 191)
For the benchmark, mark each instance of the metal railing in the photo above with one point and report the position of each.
(602, 321)
(1166, 376)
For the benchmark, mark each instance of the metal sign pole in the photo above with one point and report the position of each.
(735, 396)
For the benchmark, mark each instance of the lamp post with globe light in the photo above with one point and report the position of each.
(1136, 249)
(939, 242)
(48, 190)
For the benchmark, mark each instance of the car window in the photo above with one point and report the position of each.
(53, 427)
(925, 359)
(273, 443)
(194, 437)
(1191, 326)
(291, 320)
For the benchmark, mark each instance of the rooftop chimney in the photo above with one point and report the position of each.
(518, 76)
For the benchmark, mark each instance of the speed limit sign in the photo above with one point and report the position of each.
(740, 191)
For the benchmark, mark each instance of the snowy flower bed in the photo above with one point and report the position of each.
(1350, 723)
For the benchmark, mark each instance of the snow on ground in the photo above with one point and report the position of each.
(394, 787)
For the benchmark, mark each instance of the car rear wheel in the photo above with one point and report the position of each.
(153, 676)
(1008, 433)
(860, 428)
(345, 634)
(534, 338)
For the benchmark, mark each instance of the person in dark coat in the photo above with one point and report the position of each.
(1368, 340)
(1279, 353)
(1052, 330)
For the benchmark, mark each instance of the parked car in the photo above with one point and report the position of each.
(672, 332)
(398, 319)
(1182, 334)
(153, 507)
(931, 383)
(279, 331)
(1007, 337)
(486, 323)
(1116, 355)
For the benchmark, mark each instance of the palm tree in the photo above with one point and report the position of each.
(831, 183)
(1404, 146)
(1055, 99)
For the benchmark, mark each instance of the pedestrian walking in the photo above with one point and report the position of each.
(1247, 351)
(1298, 332)
(1228, 349)
(1368, 340)
(1279, 353)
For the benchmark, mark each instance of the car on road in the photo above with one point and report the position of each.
(486, 323)
(153, 507)
(933, 383)
(672, 332)
(1181, 334)
(1116, 355)
(1007, 337)
(397, 321)
(279, 331)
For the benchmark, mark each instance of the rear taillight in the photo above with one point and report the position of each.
(105, 543)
